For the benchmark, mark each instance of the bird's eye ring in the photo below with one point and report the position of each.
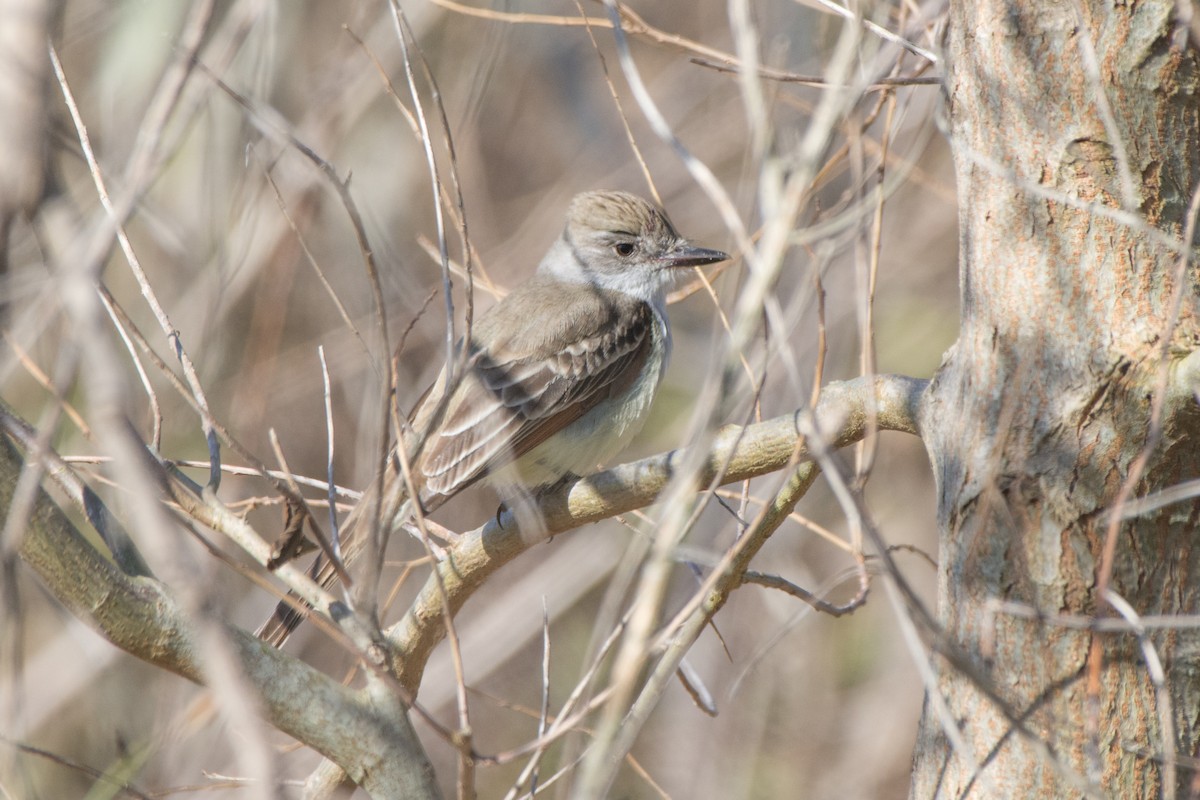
(623, 249)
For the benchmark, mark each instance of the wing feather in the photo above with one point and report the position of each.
(524, 385)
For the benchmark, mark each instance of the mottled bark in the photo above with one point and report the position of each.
(1072, 213)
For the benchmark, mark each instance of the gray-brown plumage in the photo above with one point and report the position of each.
(521, 388)
(559, 375)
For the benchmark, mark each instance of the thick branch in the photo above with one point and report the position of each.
(377, 746)
(844, 415)
(139, 616)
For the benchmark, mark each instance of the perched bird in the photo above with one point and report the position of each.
(559, 375)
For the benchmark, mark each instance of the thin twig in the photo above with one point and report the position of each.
(782, 76)
(455, 361)
(880, 31)
(786, 586)
(545, 708)
(174, 339)
(1158, 679)
(312, 261)
(329, 451)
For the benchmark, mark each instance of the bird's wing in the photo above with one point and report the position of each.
(520, 388)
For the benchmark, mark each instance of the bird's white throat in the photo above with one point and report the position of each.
(644, 282)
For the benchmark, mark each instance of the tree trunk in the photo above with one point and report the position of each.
(1076, 132)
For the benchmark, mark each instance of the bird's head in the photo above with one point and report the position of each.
(619, 241)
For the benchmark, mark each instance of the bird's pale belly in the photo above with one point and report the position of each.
(591, 440)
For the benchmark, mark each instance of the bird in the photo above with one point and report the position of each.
(558, 376)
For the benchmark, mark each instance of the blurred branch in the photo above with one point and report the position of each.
(845, 413)
(24, 25)
(376, 745)
(633, 24)
(787, 587)
(878, 30)
(171, 332)
(611, 745)
(116, 784)
(745, 452)
(114, 536)
(784, 76)
(138, 615)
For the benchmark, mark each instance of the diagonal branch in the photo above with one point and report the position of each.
(139, 615)
(376, 745)
(843, 412)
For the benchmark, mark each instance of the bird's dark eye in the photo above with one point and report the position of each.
(623, 249)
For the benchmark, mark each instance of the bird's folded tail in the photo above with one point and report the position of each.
(287, 615)
(291, 612)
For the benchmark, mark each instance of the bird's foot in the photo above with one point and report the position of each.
(533, 496)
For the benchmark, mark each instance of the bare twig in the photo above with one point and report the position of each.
(174, 340)
(782, 76)
(329, 449)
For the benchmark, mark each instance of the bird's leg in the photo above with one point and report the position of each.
(535, 495)
(547, 488)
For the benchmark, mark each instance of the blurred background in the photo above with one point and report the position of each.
(239, 233)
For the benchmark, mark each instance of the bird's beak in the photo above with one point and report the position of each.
(687, 255)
